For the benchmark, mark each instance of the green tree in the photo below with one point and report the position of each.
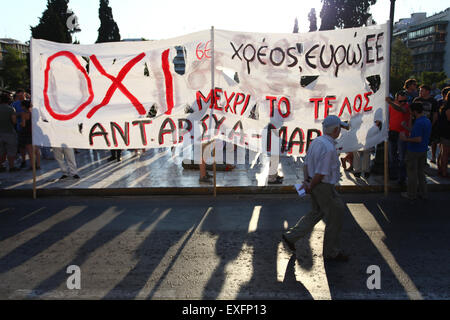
(328, 14)
(108, 31)
(401, 65)
(14, 70)
(52, 25)
(430, 78)
(312, 20)
(345, 13)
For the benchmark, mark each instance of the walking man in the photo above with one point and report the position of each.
(321, 172)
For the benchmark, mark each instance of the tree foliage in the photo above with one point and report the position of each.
(14, 70)
(433, 78)
(108, 31)
(312, 20)
(344, 13)
(401, 65)
(52, 25)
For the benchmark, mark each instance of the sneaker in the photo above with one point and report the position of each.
(276, 180)
(288, 244)
(340, 257)
(63, 177)
(76, 176)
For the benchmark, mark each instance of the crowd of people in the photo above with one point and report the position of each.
(15, 131)
(418, 121)
(408, 105)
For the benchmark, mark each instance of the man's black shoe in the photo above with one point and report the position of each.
(76, 176)
(111, 159)
(63, 177)
(339, 258)
(289, 244)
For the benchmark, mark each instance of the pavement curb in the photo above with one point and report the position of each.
(284, 189)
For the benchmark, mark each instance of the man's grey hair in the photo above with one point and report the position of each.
(330, 129)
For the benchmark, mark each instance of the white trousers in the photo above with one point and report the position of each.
(361, 161)
(66, 160)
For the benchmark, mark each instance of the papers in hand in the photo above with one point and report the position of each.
(300, 189)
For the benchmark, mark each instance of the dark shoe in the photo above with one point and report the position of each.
(14, 169)
(63, 177)
(111, 159)
(277, 180)
(339, 258)
(367, 175)
(76, 176)
(288, 244)
(357, 174)
(119, 159)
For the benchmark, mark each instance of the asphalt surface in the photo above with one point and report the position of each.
(198, 247)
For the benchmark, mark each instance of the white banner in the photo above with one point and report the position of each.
(147, 94)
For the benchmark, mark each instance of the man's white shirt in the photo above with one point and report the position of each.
(322, 158)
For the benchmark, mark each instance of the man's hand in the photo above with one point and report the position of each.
(307, 186)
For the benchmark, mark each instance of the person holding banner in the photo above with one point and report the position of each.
(25, 135)
(322, 173)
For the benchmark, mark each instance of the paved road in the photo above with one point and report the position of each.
(197, 247)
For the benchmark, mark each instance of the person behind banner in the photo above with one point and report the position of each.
(322, 172)
(8, 135)
(417, 153)
(65, 157)
(25, 136)
(430, 110)
(410, 87)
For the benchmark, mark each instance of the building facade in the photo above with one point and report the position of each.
(427, 37)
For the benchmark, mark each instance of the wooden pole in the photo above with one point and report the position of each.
(386, 143)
